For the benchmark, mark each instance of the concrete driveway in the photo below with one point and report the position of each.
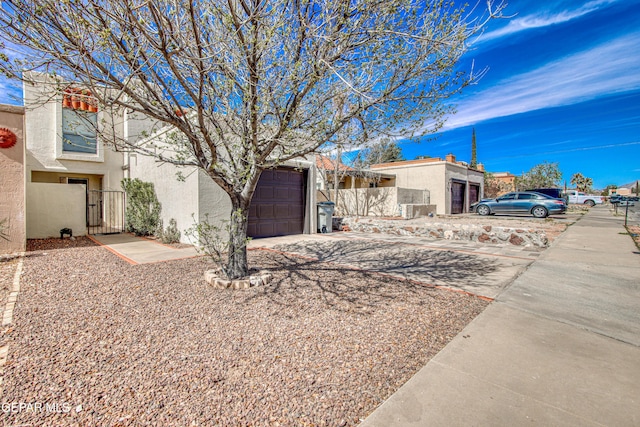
(482, 270)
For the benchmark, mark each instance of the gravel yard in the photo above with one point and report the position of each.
(108, 343)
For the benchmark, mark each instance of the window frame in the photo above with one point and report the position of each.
(62, 154)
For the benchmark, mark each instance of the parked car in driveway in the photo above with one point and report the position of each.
(521, 202)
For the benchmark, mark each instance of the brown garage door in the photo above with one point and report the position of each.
(457, 197)
(277, 208)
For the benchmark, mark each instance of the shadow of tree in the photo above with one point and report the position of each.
(408, 261)
(346, 274)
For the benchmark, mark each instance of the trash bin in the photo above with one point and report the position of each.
(325, 216)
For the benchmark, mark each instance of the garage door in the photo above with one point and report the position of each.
(277, 208)
(457, 197)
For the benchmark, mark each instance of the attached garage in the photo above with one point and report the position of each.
(278, 205)
(457, 197)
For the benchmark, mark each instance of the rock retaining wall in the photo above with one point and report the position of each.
(472, 232)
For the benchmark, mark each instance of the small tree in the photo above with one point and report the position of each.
(544, 175)
(494, 187)
(385, 151)
(143, 207)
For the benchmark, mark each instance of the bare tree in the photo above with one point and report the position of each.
(249, 84)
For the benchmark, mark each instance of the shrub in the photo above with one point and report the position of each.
(171, 234)
(143, 207)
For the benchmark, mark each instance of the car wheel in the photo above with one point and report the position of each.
(591, 203)
(483, 210)
(540, 212)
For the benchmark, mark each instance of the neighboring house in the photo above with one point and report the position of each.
(12, 196)
(347, 177)
(627, 189)
(503, 182)
(284, 202)
(66, 144)
(452, 186)
(364, 192)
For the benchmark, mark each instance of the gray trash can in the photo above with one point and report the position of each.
(325, 216)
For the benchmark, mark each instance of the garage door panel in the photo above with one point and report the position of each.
(277, 208)
(266, 192)
(265, 211)
(282, 193)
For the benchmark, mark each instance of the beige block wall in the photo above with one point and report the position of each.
(12, 177)
(51, 207)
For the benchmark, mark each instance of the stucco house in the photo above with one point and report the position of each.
(284, 202)
(68, 143)
(452, 186)
(405, 188)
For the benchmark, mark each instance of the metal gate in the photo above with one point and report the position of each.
(105, 211)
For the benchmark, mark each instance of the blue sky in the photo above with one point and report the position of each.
(563, 85)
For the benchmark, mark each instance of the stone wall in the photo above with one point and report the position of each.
(450, 231)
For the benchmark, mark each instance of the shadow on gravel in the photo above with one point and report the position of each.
(304, 282)
(407, 261)
(345, 272)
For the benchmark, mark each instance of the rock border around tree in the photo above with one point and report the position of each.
(216, 280)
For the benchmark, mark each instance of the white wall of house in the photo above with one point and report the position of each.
(51, 207)
(179, 199)
(198, 195)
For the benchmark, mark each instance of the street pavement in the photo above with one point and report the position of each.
(560, 346)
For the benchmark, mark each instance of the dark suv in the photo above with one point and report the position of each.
(553, 192)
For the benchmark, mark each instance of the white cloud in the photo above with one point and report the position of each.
(545, 19)
(603, 70)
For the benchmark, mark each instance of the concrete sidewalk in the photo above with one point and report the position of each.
(138, 250)
(559, 347)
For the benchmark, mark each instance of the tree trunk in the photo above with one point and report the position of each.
(237, 265)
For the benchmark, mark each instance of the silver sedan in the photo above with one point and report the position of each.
(523, 202)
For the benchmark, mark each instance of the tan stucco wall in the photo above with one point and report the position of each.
(95, 181)
(51, 207)
(434, 176)
(12, 176)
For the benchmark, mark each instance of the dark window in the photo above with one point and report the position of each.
(509, 196)
(525, 196)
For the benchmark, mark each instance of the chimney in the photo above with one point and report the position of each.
(480, 167)
(450, 158)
